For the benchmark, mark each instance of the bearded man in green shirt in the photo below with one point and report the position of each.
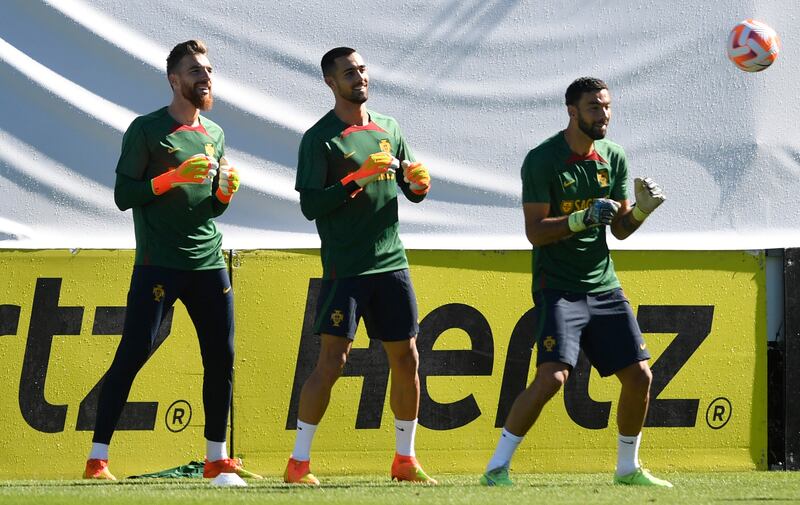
(574, 188)
(348, 175)
(173, 173)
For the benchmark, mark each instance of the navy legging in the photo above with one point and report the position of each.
(208, 298)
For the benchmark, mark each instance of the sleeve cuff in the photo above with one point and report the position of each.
(351, 187)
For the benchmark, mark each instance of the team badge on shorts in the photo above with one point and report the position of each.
(549, 344)
(158, 292)
(210, 150)
(337, 317)
(385, 146)
(602, 177)
(567, 206)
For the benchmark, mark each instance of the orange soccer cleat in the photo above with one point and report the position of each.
(227, 465)
(299, 472)
(97, 469)
(406, 468)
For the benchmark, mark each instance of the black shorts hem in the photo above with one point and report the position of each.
(638, 359)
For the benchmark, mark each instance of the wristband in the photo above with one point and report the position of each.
(575, 221)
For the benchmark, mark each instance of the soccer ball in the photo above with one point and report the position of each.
(753, 46)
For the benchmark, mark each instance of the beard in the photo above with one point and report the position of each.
(191, 93)
(356, 97)
(592, 130)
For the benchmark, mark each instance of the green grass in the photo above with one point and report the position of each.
(584, 489)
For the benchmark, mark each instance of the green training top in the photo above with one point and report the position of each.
(175, 229)
(553, 174)
(359, 235)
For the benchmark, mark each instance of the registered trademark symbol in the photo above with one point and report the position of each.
(718, 413)
(178, 416)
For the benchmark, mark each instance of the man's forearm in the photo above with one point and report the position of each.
(319, 202)
(548, 231)
(130, 193)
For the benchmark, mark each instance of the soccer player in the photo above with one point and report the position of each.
(173, 174)
(574, 185)
(347, 177)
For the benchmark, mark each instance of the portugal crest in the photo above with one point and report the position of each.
(158, 292)
(385, 146)
(602, 177)
(337, 317)
(210, 150)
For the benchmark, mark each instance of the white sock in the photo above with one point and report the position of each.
(628, 454)
(506, 446)
(302, 443)
(99, 451)
(404, 432)
(215, 450)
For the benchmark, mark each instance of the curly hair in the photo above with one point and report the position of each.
(583, 85)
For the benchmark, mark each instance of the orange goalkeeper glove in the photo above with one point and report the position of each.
(228, 183)
(375, 165)
(199, 169)
(417, 177)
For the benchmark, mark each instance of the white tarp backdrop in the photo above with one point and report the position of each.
(474, 84)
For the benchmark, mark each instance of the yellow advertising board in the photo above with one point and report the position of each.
(703, 315)
(704, 319)
(61, 315)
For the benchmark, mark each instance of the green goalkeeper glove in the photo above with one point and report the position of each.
(649, 196)
(228, 183)
(600, 212)
(375, 165)
(199, 169)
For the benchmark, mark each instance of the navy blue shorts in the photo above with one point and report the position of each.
(385, 300)
(601, 324)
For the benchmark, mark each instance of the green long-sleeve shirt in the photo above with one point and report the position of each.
(175, 229)
(359, 235)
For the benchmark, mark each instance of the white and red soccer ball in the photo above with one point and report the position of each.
(753, 46)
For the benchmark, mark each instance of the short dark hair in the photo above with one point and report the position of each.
(328, 62)
(184, 48)
(580, 86)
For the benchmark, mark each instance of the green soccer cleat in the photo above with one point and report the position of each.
(640, 477)
(496, 477)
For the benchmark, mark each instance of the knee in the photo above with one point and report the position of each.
(408, 362)
(219, 360)
(129, 359)
(226, 358)
(550, 383)
(640, 379)
(329, 368)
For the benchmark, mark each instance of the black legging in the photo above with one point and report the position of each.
(208, 298)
